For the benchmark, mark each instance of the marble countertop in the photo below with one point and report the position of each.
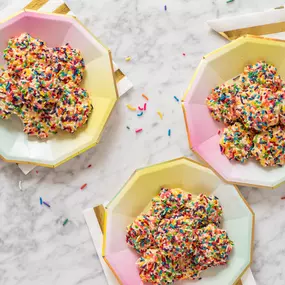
(35, 248)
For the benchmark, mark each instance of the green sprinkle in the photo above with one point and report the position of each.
(229, 1)
(65, 222)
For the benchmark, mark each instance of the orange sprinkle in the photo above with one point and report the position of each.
(145, 97)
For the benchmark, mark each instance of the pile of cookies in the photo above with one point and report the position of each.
(253, 109)
(41, 86)
(179, 237)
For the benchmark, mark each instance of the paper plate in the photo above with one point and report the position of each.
(57, 30)
(195, 178)
(214, 69)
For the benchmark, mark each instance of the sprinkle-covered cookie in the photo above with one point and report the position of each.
(269, 147)
(179, 237)
(236, 142)
(221, 103)
(258, 108)
(261, 73)
(40, 86)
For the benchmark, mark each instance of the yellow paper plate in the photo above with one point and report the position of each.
(216, 68)
(144, 184)
(57, 30)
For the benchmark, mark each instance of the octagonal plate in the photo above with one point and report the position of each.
(135, 197)
(57, 30)
(216, 68)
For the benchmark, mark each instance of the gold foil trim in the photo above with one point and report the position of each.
(255, 30)
(119, 75)
(62, 9)
(100, 215)
(36, 4)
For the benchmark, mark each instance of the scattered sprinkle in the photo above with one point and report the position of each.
(83, 186)
(184, 54)
(144, 106)
(169, 132)
(20, 185)
(45, 203)
(219, 132)
(140, 114)
(145, 97)
(128, 127)
(138, 130)
(37, 172)
(130, 107)
(236, 78)
(140, 108)
(160, 114)
(176, 98)
(283, 198)
(229, 1)
(41, 200)
(128, 58)
(65, 222)
(165, 8)
(90, 165)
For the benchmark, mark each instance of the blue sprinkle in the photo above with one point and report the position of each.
(41, 200)
(176, 98)
(140, 114)
(169, 132)
(165, 8)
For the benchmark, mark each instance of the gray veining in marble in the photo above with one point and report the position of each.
(35, 249)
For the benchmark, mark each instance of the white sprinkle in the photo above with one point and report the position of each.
(20, 185)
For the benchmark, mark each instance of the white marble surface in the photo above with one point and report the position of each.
(35, 248)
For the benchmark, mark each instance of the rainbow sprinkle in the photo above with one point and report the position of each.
(145, 97)
(160, 114)
(46, 204)
(130, 107)
(83, 186)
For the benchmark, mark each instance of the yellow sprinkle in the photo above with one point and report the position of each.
(128, 58)
(160, 114)
(131, 107)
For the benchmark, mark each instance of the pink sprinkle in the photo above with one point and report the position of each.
(144, 106)
(37, 172)
(184, 54)
(83, 186)
(219, 132)
(140, 108)
(138, 130)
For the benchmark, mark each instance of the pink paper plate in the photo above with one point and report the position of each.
(57, 30)
(135, 197)
(214, 69)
